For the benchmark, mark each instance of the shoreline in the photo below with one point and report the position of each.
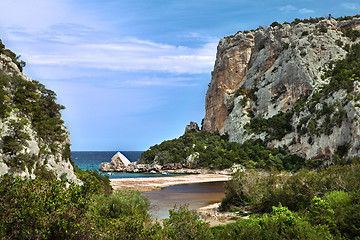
(208, 213)
(155, 183)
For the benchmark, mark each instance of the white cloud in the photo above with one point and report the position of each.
(291, 8)
(352, 6)
(287, 8)
(305, 10)
(123, 55)
(52, 34)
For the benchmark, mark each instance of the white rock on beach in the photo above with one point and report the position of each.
(118, 163)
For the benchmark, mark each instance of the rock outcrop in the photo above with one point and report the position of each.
(33, 140)
(193, 126)
(280, 72)
(117, 164)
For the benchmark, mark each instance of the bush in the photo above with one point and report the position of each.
(123, 203)
(280, 224)
(276, 127)
(338, 211)
(186, 224)
(261, 191)
(40, 209)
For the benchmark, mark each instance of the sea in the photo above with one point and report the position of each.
(87, 160)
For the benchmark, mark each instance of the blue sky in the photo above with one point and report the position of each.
(133, 73)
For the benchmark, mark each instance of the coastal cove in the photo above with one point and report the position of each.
(164, 191)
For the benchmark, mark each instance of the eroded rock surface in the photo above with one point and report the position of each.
(263, 73)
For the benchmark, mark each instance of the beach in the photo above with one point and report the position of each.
(208, 213)
(155, 183)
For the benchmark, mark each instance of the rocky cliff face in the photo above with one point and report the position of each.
(277, 84)
(33, 139)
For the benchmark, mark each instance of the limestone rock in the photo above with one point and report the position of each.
(35, 153)
(265, 72)
(118, 163)
(193, 126)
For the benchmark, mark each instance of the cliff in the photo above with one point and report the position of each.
(33, 140)
(294, 86)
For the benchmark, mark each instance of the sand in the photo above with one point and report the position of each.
(155, 183)
(208, 213)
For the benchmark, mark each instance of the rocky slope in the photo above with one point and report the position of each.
(33, 139)
(280, 84)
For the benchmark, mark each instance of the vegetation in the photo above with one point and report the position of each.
(259, 191)
(342, 74)
(345, 72)
(186, 224)
(215, 151)
(276, 127)
(42, 209)
(281, 223)
(327, 199)
(33, 106)
(306, 205)
(15, 58)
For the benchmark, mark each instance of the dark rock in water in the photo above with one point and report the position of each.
(193, 126)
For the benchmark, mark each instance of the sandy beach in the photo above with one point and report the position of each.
(154, 183)
(208, 213)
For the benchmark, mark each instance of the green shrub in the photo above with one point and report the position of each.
(186, 224)
(40, 209)
(280, 224)
(260, 191)
(123, 203)
(276, 24)
(94, 182)
(305, 33)
(322, 28)
(350, 33)
(276, 127)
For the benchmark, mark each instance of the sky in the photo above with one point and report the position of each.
(133, 73)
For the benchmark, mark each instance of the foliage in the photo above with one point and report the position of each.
(93, 181)
(280, 224)
(51, 209)
(338, 211)
(16, 140)
(20, 64)
(215, 151)
(33, 99)
(276, 127)
(33, 106)
(186, 224)
(38, 209)
(261, 191)
(4, 98)
(322, 28)
(345, 72)
(122, 203)
(350, 33)
(276, 24)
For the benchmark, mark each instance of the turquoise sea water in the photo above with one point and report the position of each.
(92, 159)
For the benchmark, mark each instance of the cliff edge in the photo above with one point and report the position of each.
(33, 140)
(294, 86)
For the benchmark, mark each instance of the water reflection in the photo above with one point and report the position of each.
(196, 195)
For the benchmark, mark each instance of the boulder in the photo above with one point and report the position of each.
(118, 163)
(193, 126)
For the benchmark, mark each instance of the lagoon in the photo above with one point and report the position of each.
(194, 195)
